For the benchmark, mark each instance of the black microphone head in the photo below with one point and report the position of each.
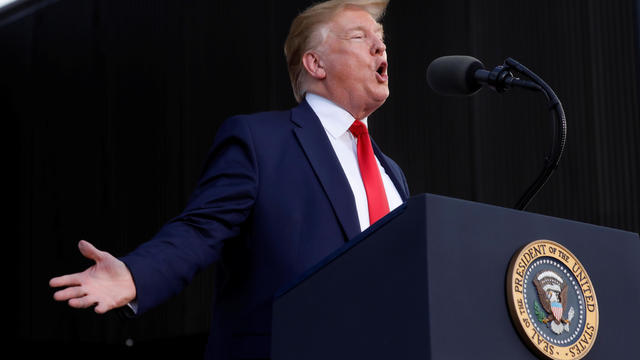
(454, 75)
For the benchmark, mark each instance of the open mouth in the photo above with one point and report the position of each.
(382, 72)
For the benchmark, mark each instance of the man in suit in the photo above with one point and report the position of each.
(279, 191)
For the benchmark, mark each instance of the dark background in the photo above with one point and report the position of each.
(109, 107)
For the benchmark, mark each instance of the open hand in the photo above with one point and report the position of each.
(108, 284)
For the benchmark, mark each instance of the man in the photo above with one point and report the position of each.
(279, 192)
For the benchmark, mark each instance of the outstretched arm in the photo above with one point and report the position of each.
(108, 284)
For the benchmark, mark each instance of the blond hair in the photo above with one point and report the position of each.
(305, 34)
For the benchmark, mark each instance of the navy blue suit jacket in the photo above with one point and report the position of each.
(272, 201)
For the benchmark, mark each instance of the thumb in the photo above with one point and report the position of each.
(89, 251)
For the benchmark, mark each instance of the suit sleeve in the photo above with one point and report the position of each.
(215, 213)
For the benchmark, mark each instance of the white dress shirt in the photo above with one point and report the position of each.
(336, 122)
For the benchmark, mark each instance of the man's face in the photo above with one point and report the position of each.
(355, 60)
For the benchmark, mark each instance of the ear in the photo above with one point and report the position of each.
(314, 65)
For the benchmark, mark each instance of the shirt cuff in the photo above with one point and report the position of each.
(133, 305)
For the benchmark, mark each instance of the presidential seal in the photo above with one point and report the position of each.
(552, 301)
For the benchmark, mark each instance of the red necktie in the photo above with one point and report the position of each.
(376, 197)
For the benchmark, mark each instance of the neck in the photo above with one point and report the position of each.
(357, 109)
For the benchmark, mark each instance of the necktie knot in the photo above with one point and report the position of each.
(358, 128)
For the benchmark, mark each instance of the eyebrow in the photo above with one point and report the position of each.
(378, 29)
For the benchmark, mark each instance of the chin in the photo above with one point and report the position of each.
(376, 102)
(381, 96)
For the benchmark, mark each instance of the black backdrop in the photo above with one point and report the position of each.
(109, 107)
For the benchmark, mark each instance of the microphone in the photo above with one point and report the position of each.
(464, 75)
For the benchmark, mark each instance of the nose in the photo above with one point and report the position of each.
(378, 47)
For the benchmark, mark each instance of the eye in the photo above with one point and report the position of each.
(358, 35)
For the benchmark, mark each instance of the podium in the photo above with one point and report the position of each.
(428, 282)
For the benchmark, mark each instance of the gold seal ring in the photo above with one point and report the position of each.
(552, 301)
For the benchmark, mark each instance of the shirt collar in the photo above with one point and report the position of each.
(335, 120)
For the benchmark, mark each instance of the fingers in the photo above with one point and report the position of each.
(78, 298)
(102, 308)
(82, 302)
(89, 251)
(66, 280)
(70, 293)
(91, 287)
(88, 301)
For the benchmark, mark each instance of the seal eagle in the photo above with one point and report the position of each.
(552, 292)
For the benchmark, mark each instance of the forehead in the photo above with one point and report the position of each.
(352, 18)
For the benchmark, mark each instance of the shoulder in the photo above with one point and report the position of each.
(257, 130)
(294, 117)
(259, 120)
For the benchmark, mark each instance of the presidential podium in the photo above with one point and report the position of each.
(428, 282)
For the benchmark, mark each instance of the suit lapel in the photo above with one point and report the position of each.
(393, 172)
(317, 148)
